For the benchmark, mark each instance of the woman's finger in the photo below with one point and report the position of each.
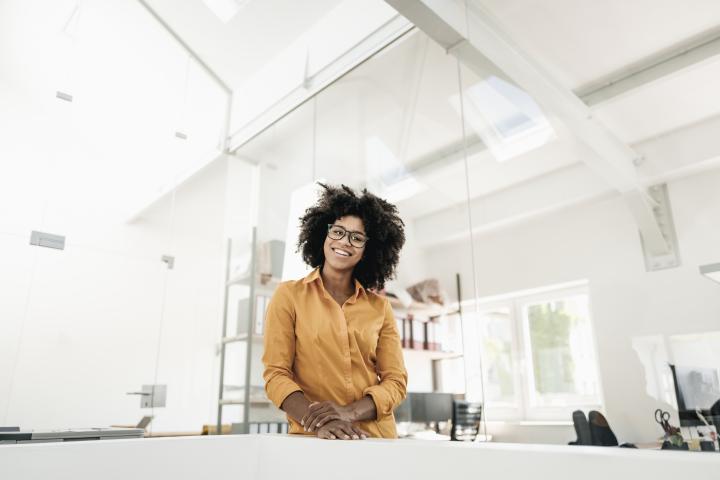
(312, 408)
(348, 431)
(311, 420)
(325, 417)
(360, 432)
(339, 432)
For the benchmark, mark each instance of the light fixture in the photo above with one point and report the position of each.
(711, 271)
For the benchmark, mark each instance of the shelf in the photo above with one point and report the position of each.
(421, 309)
(431, 354)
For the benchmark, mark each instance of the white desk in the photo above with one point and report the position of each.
(279, 456)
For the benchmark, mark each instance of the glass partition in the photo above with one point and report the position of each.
(583, 322)
(107, 116)
(390, 126)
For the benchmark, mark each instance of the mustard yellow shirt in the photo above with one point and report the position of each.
(334, 353)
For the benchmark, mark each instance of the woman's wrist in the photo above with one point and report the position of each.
(349, 412)
(363, 409)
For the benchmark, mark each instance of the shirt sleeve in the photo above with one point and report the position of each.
(279, 342)
(390, 366)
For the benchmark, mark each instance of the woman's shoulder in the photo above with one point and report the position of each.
(289, 288)
(377, 301)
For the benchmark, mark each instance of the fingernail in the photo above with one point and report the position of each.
(346, 437)
(355, 437)
(302, 422)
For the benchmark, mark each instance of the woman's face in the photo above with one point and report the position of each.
(342, 254)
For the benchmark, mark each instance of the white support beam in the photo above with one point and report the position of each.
(685, 152)
(679, 57)
(546, 194)
(471, 35)
(385, 35)
(186, 47)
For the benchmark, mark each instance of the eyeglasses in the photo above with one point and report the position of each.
(357, 239)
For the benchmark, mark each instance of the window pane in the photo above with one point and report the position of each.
(496, 345)
(561, 351)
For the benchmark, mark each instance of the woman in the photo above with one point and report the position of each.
(333, 360)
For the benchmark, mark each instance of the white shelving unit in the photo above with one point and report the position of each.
(251, 396)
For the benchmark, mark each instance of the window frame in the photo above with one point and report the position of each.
(521, 356)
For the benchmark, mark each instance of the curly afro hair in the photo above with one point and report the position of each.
(383, 226)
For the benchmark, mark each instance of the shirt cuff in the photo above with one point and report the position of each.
(383, 405)
(278, 393)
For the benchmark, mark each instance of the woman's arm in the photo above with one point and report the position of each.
(279, 354)
(392, 389)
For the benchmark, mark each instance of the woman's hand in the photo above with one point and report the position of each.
(341, 430)
(319, 413)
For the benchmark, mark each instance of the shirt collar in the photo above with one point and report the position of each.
(315, 276)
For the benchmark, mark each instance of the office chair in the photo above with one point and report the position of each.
(465, 420)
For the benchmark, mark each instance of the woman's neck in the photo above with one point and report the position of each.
(336, 281)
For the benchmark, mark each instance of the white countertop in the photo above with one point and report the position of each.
(284, 456)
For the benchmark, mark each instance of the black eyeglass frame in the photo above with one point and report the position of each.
(347, 233)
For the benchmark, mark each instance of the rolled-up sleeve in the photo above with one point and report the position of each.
(390, 366)
(279, 342)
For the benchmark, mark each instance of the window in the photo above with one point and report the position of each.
(537, 355)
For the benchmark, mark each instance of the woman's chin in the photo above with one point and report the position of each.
(340, 264)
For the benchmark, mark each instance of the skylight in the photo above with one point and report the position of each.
(506, 118)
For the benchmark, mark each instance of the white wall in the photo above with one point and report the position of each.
(599, 242)
(98, 324)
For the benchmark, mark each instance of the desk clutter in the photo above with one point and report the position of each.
(439, 416)
(14, 435)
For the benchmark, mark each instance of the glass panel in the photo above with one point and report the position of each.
(641, 332)
(17, 259)
(94, 154)
(280, 161)
(390, 126)
(86, 340)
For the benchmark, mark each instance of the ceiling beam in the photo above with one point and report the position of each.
(679, 57)
(186, 47)
(685, 152)
(375, 42)
(471, 35)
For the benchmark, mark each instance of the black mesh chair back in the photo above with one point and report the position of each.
(465, 420)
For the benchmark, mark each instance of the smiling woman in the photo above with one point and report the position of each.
(333, 360)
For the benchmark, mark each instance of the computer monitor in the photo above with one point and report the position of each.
(696, 388)
(425, 407)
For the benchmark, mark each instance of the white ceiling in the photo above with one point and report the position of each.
(402, 96)
(584, 40)
(237, 49)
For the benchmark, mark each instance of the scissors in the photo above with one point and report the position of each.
(663, 418)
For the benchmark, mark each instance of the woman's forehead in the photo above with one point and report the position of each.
(351, 222)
